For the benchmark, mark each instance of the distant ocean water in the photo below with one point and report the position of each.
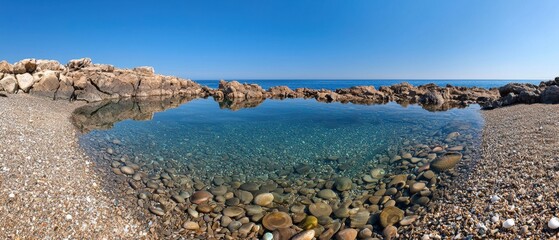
(345, 83)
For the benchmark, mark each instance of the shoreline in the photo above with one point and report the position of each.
(49, 187)
(436, 223)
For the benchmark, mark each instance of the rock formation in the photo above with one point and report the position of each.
(522, 93)
(80, 79)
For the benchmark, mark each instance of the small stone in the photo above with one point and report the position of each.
(233, 211)
(508, 223)
(264, 199)
(200, 197)
(157, 211)
(268, 236)
(408, 220)
(347, 234)
(191, 225)
(68, 217)
(553, 223)
(127, 170)
(342, 184)
(320, 209)
(326, 194)
(416, 187)
(305, 235)
(407, 156)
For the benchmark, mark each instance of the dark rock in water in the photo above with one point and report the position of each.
(302, 169)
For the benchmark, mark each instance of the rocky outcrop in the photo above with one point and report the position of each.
(80, 79)
(521, 93)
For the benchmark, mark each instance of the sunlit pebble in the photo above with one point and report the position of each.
(553, 223)
(495, 218)
(495, 198)
(508, 223)
(68, 217)
(12, 195)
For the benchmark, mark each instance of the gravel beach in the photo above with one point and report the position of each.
(49, 188)
(516, 178)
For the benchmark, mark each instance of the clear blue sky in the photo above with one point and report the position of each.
(260, 39)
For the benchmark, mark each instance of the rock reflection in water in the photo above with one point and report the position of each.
(103, 115)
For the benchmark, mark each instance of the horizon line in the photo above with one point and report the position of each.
(374, 79)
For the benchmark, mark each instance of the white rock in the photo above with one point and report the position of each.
(553, 223)
(68, 217)
(508, 223)
(495, 198)
(425, 237)
(495, 218)
(268, 236)
(12, 195)
(25, 81)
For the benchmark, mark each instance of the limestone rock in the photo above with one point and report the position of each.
(77, 64)
(47, 85)
(9, 83)
(25, 81)
(6, 67)
(25, 66)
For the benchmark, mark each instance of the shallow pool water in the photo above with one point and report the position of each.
(279, 136)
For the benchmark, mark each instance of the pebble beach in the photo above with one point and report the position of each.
(51, 188)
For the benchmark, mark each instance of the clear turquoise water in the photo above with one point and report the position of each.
(279, 135)
(336, 84)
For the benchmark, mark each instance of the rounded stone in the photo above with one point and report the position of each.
(277, 220)
(390, 215)
(326, 194)
(320, 209)
(305, 235)
(127, 170)
(347, 234)
(342, 184)
(200, 197)
(233, 211)
(264, 199)
(417, 187)
(191, 225)
(446, 161)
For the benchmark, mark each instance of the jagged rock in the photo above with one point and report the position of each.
(25, 81)
(550, 94)
(9, 83)
(145, 70)
(47, 85)
(90, 93)
(25, 66)
(6, 67)
(432, 97)
(53, 65)
(77, 64)
(280, 92)
(516, 88)
(64, 91)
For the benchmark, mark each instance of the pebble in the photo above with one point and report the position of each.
(268, 236)
(68, 217)
(127, 170)
(343, 184)
(264, 199)
(495, 198)
(508, 223)
(191, 225)
(553, 223)
(326, 194)
(347, 234)
(305, 235)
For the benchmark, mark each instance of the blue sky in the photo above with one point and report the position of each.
(459, 39)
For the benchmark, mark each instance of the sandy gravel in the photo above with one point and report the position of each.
(519, 165)
(48, 187)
